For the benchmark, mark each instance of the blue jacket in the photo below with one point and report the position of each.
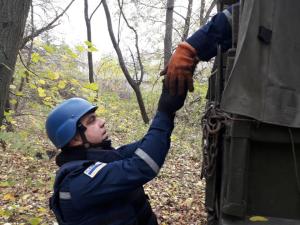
(215, 32)
(106, 186)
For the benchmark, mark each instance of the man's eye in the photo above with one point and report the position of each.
(92, 119)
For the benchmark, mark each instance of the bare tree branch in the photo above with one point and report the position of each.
(45, 28)
(95, 10)
(119, 23)
(187, 21)
(151, 6)
(178, 32)
(126, 73)
(211, 7)
(178, 14)
(26, 67)
(136, 43)
(134, 65)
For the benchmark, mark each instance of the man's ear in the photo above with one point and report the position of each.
(76, 141)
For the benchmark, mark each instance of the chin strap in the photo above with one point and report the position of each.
(81, 130)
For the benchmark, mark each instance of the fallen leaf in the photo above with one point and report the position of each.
(9, 197)
(258, 219)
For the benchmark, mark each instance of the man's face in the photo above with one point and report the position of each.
(95, 128)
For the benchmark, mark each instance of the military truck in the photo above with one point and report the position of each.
(251, 135)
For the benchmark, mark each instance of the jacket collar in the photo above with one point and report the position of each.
(103, 152)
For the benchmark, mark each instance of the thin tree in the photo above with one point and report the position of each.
(187, 21)
(133, 83)
(89, 37)
(168, 31)
(204, 15)
(13, 19)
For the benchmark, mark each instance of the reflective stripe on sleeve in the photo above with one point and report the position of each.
(150, 162)
(228, 16)
(65, 195)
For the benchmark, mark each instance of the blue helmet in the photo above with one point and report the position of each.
(61, 124)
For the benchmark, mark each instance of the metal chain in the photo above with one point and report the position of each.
(212, 122)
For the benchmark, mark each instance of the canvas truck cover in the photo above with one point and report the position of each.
(264, 83)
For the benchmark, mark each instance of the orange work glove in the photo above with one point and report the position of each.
(180, 69)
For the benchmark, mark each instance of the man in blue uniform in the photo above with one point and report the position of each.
(97, 184)
(202, 45)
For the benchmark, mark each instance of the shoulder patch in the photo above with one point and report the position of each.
(92, 170)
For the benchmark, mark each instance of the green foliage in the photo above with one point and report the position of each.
(90, 46)
(58, 76)
(35, 57)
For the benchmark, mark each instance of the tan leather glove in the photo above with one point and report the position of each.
(180, 69)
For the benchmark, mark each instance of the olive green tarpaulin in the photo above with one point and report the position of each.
(265, 80)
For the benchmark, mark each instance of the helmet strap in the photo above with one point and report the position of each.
(81, 130)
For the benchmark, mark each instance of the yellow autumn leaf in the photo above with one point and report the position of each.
(42, 210)
(258, 219)
(8, 113)
(49, 48)
(80, 48)
(92, 86)
(101, 110)
(13, 101)
(8, 197)
(19, 93)
(48, 99)
(35, 57)
(92, 49)
(90, 98)
(13, 122)
(74, 82)
(41, 92)
(61, 84)
(42, 82)
(32, 86)
(88, 43)
(35, 221)
(4, 184)
(53, 75)
(174, 138)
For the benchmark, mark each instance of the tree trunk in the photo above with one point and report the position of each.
(28, 60)
(187, 21)
(13, 15)
(122, 64)
(202, 8)
(168, 32)
(89, 38)
(205, 16)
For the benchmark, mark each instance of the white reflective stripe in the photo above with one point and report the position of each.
(144, 156)
(64, 195)
(228, 16)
